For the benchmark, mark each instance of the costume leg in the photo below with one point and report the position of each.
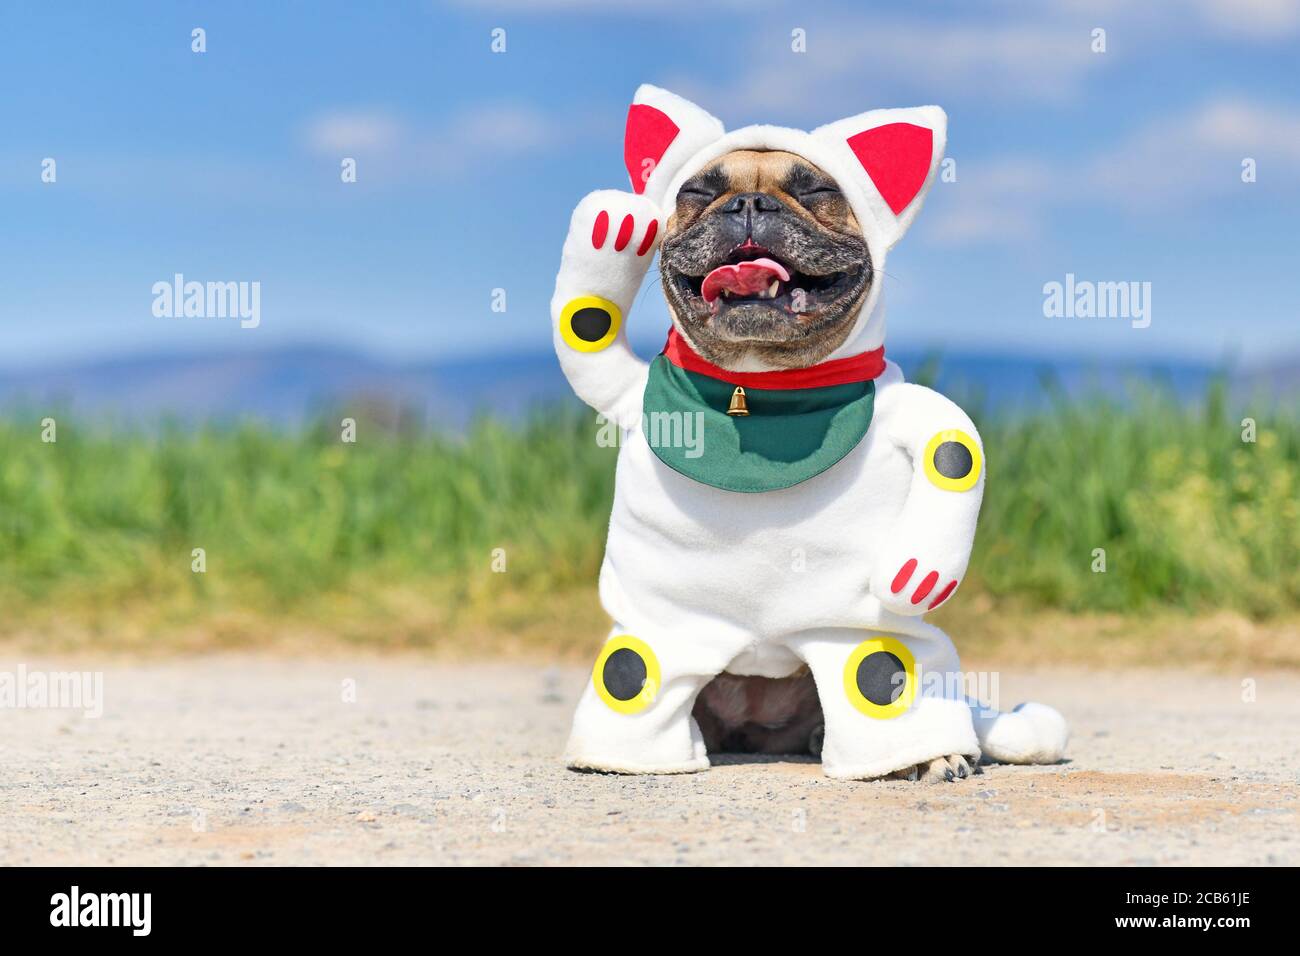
(635, 714)
(890, 701)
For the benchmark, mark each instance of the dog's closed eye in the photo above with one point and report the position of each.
(704, 187)
(810, 185)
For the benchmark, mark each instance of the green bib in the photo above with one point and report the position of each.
(789, 436)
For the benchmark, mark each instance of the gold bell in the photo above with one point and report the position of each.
(738, 408)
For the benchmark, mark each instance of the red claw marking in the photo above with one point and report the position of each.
(624, 234)
(649, 239)
(600, 230)
(925, 587)
(903, 576)
(943, 596)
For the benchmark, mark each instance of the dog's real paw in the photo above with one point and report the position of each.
(945, 769)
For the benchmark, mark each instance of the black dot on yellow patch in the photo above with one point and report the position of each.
(881, 678)
(589, 323)
(953, 460)
(624, 674)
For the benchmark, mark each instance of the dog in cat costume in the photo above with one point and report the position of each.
(786, 508)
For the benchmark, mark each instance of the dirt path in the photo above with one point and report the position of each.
(247, 760)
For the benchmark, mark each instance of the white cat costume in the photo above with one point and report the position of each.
(742, 555)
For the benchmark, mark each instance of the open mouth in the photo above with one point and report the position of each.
(751, 274)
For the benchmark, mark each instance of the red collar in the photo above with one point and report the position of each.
(852, 368)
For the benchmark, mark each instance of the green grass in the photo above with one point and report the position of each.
(1189, 514)
(98, 525)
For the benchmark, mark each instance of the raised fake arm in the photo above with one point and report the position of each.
(611, 243)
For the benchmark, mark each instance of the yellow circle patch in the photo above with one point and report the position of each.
(871, 678)
(953, 461)
(590, 323)
(626, 675)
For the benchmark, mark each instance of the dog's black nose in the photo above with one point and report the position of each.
(752, 204)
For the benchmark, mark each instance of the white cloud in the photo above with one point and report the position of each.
(354, 130)
(396, 150)
(1262, 20)
(1177, 162)
(997, 201)
(1196, 155)
(851, 62)
(503, 129)
(1255, 19)
(1156, 21)
(970, 224)
(1016, 51)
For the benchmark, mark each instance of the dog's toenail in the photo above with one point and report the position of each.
(948, 774)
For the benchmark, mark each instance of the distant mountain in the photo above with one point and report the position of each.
(290, 385)
(285, 386)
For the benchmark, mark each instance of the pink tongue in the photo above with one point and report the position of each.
(744, 278)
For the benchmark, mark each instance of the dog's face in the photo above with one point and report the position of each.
(763, 260)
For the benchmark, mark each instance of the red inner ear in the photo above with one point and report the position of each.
(649, 134)
(897, 158)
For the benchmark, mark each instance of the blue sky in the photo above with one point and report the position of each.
(1115, 166)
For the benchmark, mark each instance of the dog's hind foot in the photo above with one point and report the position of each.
(816, 739)
(946, 769)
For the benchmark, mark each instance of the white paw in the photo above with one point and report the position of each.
(1032, 733)
(612, 240)
(613, 222)
(910, 584)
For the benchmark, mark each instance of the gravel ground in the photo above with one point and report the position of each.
(245, 760)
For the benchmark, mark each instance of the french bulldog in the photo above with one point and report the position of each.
(768, 594)
(764, 206)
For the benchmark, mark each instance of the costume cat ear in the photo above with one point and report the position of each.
(895, 153)
(663, 132)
